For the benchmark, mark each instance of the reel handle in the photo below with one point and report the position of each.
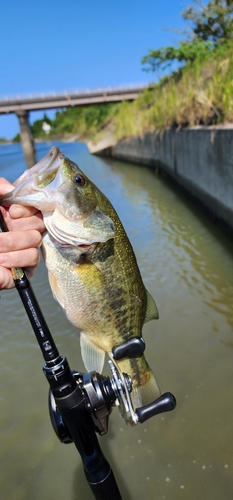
(133, 348)
(166, 402)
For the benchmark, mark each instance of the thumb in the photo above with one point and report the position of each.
(5, 186)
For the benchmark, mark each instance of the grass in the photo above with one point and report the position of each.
(200, 93)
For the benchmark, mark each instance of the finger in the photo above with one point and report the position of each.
(6, 280)
(30, 270)
(26, 223)
(17, 211)
(21, 258)
(16, 240)
(5, 186)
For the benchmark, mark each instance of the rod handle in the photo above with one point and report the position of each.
(106, 489)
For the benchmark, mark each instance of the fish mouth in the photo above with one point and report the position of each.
(30, 187)
(45, 187)
(51, 162)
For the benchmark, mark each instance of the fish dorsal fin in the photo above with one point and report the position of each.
(92, 356)
(151, 308)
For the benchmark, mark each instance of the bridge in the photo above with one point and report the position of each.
(66, 99)
(21, 106)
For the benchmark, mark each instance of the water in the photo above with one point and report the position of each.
(186, 263)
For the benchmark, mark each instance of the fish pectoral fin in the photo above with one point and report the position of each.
(100, 224)
(151, 309)
(92, 356)
(55, 289)
(90, 276)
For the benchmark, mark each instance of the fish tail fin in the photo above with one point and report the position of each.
(144, 394)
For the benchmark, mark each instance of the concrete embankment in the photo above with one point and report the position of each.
(199, 160)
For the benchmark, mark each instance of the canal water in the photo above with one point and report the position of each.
(186, 264)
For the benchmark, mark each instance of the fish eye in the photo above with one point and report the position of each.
(79, 179)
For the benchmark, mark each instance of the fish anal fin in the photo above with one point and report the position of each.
(92, 356)
(144, 394)
(151, 309)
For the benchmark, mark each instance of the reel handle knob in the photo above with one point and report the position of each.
(166, 402)
(133, 348)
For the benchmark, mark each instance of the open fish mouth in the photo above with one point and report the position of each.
(69, 216)
(30, 187)
(50, 163)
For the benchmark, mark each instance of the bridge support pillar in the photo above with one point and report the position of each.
(26, 138)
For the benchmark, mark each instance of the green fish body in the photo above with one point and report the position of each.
(91, 265)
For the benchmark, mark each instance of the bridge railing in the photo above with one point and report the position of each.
(10, 104)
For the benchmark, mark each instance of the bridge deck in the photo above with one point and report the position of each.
(69, 99)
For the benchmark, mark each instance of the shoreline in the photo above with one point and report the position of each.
(197, 160)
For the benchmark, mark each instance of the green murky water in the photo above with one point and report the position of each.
(187, 265)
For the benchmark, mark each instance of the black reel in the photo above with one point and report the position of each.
(101, 393)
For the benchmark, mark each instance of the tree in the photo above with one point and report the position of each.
(37, 126)
(162, 58)
(213, 22)
(211, 26)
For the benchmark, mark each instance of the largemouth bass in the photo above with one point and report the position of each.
(91, 265)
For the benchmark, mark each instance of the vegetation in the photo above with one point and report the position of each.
(196, 87)
(81, 121)
(16, 138)
(200, 90)
(84, 121)
(37, 127)
(210, 26)
(198, 94)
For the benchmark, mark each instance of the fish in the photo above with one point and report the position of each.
(92, 268)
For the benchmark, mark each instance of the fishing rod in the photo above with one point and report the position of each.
(80, 403)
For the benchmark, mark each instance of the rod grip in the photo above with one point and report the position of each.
(106, 489)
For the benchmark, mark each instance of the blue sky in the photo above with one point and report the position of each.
(49, 46)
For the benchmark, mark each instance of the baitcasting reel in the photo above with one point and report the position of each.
(101, 393)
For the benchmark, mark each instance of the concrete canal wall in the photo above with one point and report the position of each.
(199, 160)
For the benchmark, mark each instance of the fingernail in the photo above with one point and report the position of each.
(3, 258)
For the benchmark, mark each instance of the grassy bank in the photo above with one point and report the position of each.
(82, 122)
(201, 93)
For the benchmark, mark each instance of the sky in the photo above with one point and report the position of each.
(49, 46)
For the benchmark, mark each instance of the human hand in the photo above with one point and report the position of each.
(19, 246)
